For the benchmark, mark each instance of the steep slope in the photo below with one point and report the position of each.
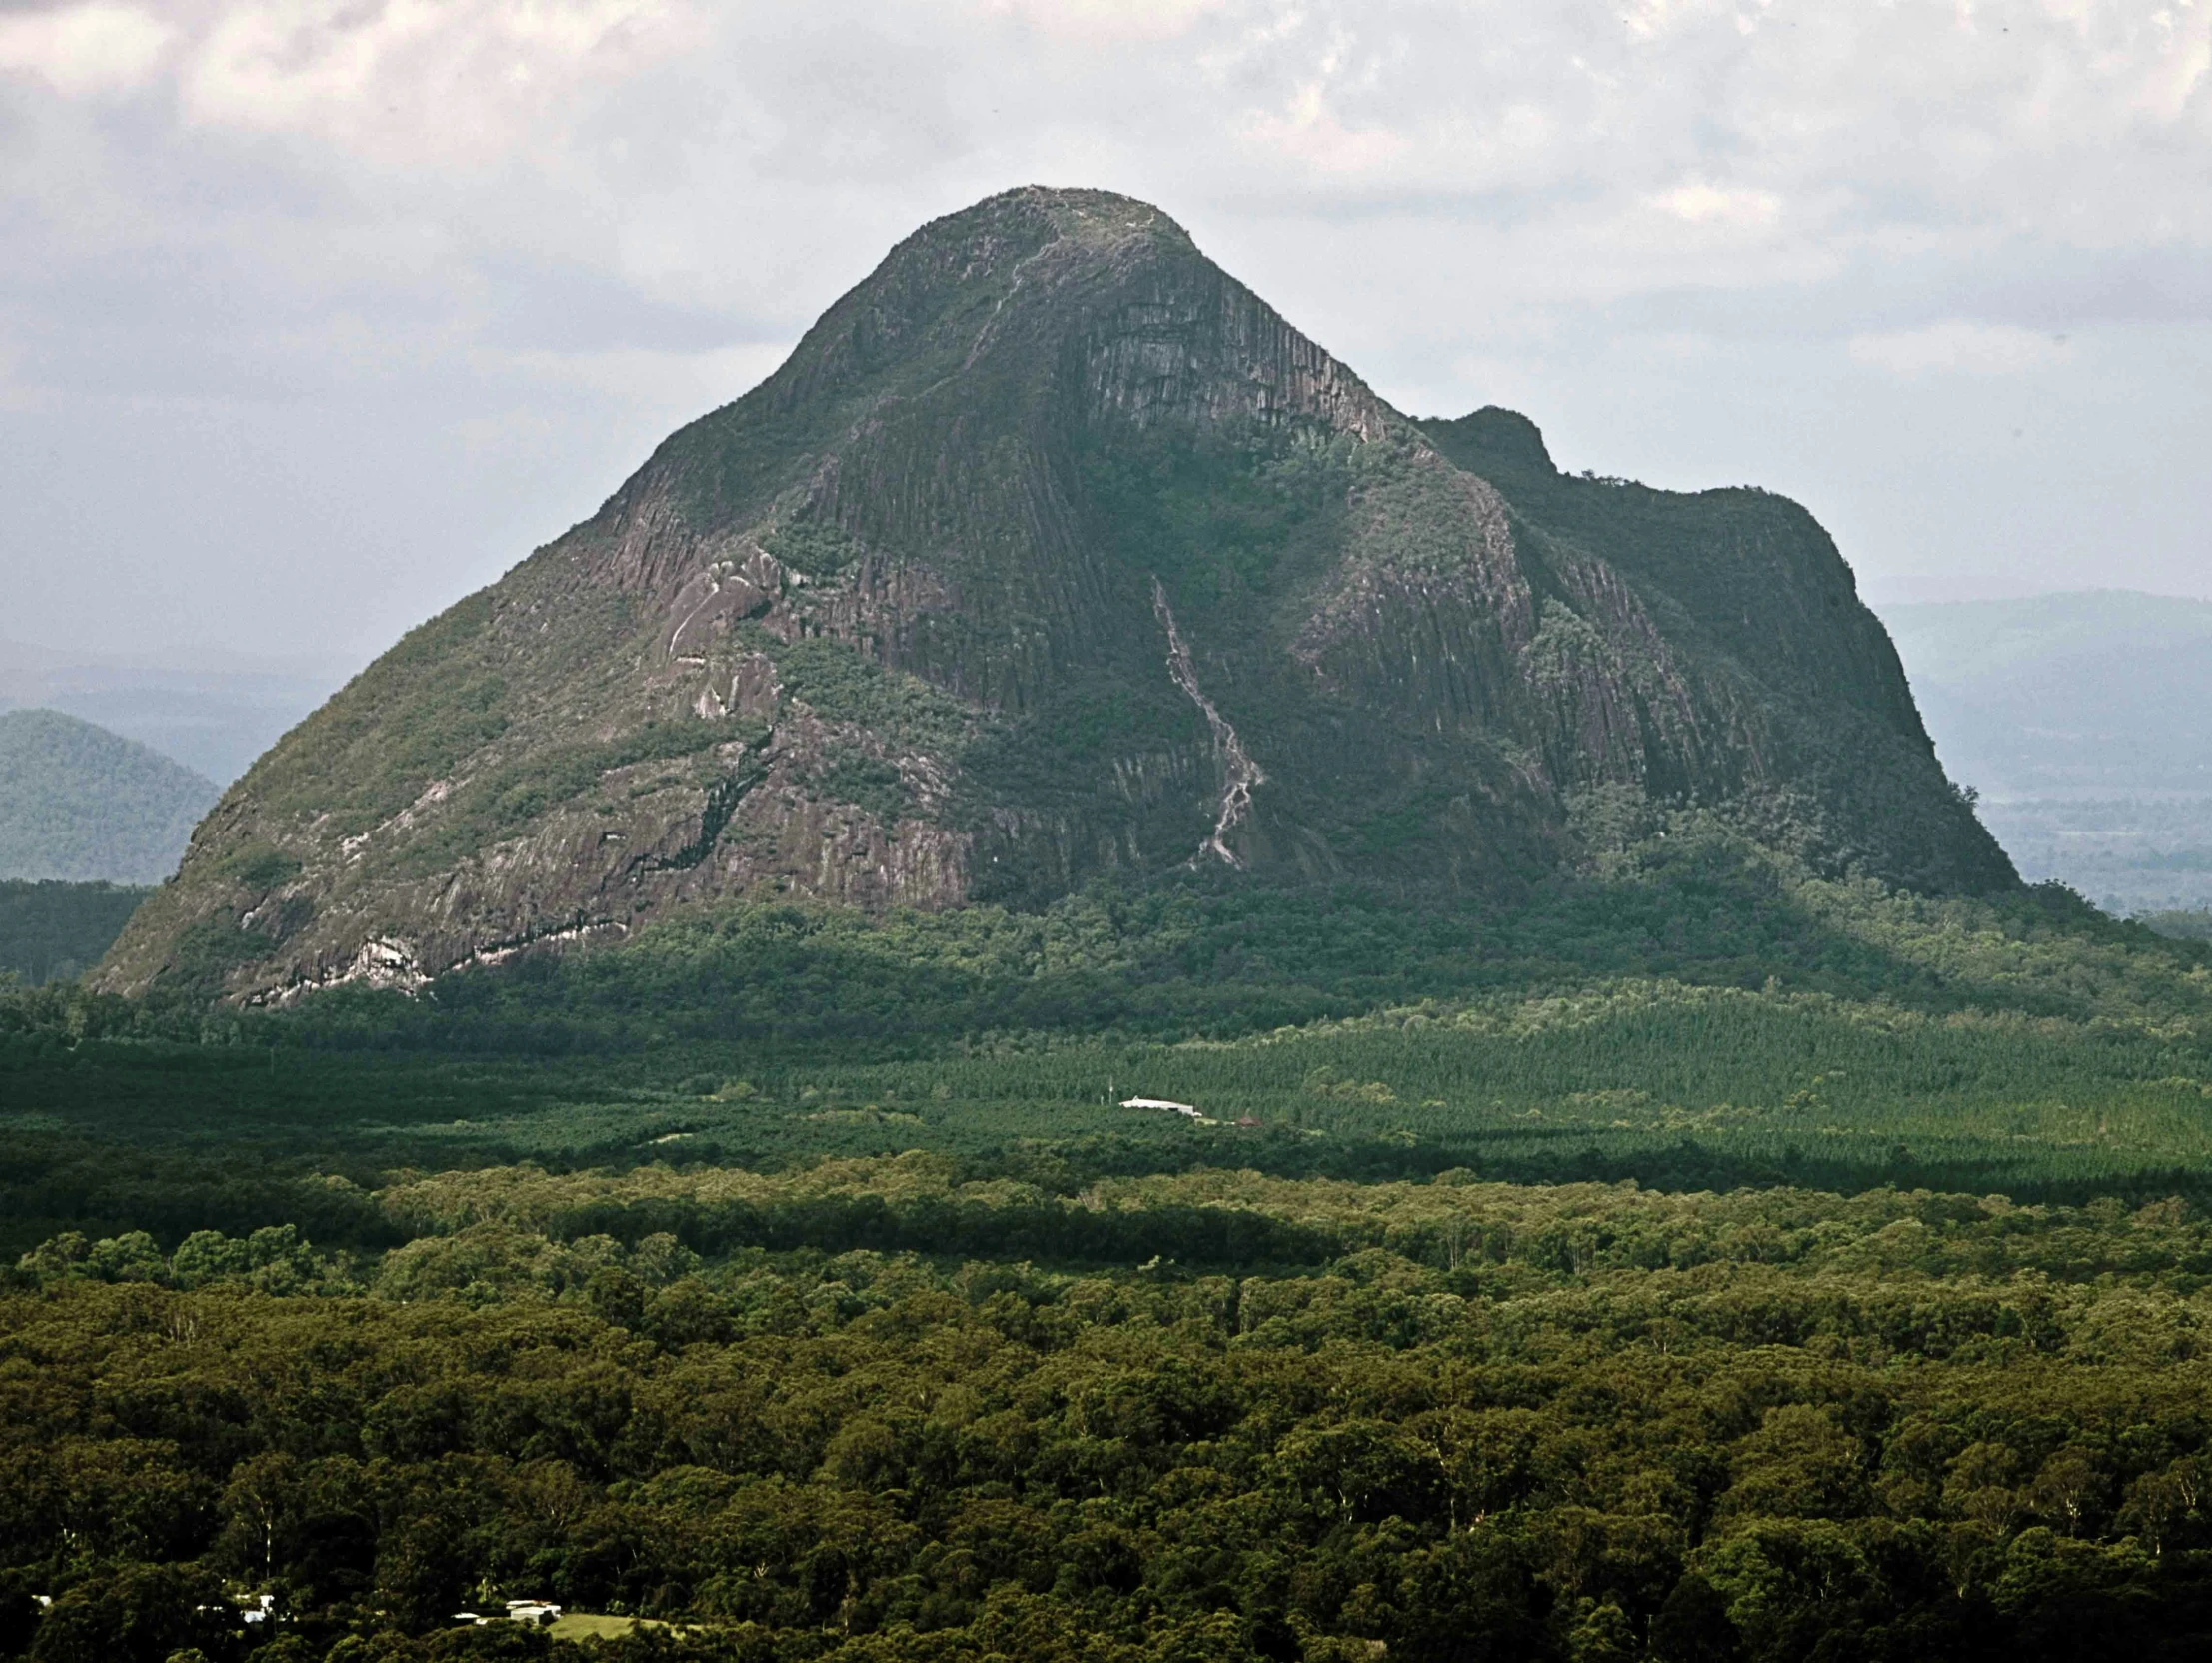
(1053, 549)
(79, 803)
(1749, 587)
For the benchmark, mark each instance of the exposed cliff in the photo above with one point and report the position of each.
(1051, 550)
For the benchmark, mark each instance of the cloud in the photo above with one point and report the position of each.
(1308, 132)
(1102, 22)
(85, 50)
(1701, 203)
(587, 218)
(447, 83)
(1959, 344)
(527, 175)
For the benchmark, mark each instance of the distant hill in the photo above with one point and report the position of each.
(82, 803)
(215, 717)
(2093, 693)
(1055, 555)
(2085, 720)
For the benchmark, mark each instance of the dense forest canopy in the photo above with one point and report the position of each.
(1697, 1260)
(55, 931)
(1318, 1420)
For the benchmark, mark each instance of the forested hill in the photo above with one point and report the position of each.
(82, 803)
(1052, 551)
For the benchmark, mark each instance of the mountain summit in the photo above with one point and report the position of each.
(1053, 549)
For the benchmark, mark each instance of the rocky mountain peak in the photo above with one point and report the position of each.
(1053, 551)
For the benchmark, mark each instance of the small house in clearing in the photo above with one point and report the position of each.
(535, 1612)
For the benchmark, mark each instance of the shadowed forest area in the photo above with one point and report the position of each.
(55, 931)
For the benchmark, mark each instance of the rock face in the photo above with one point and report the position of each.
(1054, 550)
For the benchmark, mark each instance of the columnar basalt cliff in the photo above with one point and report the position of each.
(1052, 551)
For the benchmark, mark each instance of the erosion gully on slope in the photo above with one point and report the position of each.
(1241, 771)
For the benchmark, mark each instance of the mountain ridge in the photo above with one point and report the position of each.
(1052, 551)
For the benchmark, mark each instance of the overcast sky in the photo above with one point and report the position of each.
(317, 314)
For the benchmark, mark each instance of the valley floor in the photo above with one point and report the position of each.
(1707, 1269)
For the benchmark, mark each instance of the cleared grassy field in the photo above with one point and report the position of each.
(586, 1625)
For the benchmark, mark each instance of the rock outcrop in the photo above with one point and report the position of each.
(1053, 549)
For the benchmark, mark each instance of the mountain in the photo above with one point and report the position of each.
(80, 803)
(214, 717)
(1052, 552)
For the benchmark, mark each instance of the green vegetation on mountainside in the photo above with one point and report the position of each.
(79, 804)
(438, 699)
(1700, 1015)
(1217, 957)
(1815, 664)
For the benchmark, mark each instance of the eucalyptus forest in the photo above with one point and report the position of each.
(1833, 1285)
